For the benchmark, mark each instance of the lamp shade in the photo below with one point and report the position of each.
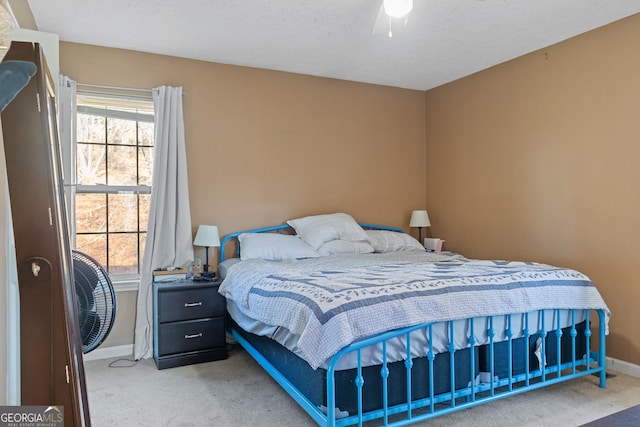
(207, 235)
(419, 219)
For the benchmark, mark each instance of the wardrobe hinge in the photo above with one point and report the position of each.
(38, 101)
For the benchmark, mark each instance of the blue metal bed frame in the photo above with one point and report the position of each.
(421, 409)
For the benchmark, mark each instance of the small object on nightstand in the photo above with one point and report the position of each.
(433, 245)
(205, 277)
(188, 323)
(169, 274)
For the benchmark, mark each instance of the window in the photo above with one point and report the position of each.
(113, 168)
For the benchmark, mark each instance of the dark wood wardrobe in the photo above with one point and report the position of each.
(52, 371)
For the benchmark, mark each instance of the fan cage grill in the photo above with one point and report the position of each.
(95, 299)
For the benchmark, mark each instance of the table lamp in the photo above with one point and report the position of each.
(207, 236)
(419, 219)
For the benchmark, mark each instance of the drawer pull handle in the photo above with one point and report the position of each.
(188, 337)
(193, 304)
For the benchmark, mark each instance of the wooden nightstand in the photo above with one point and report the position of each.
(188, 323)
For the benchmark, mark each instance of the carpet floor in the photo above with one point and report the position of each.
(238, 392)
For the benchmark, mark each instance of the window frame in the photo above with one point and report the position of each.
(123, 281)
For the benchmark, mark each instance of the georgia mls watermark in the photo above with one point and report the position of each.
(31, 416)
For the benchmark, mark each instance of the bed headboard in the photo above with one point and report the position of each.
(284, 229)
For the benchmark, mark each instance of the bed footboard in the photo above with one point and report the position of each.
(498, 369)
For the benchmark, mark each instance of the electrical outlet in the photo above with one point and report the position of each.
(196, 265)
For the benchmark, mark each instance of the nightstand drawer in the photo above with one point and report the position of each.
(192, 335)
(189, 323)
(194, 303)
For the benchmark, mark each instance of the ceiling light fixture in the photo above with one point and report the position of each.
(397, 9)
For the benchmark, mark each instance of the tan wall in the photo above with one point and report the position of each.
(537, 159)
(265, 146)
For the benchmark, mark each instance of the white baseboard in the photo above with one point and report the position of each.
(623, 367)
(109, 352)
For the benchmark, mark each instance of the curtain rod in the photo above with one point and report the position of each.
(119, 88)
(125, 89)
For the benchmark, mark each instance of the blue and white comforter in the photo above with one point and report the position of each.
(329, 302)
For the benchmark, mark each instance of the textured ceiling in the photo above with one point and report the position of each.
(442, 41)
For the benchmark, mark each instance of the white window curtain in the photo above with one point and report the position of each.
(67, 116)
(169, 235)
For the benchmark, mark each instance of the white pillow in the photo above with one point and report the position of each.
(273, 247)
(341, 247)
(319, 229)
(392, 241)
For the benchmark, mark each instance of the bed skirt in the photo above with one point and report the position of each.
(414, 390)
(313, 383)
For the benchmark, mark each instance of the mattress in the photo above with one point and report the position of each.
(441, 333)
(314, 307)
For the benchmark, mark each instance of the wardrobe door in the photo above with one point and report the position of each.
(52, 371)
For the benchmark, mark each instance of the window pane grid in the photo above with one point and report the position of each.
(116, 161)
(94, 243)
